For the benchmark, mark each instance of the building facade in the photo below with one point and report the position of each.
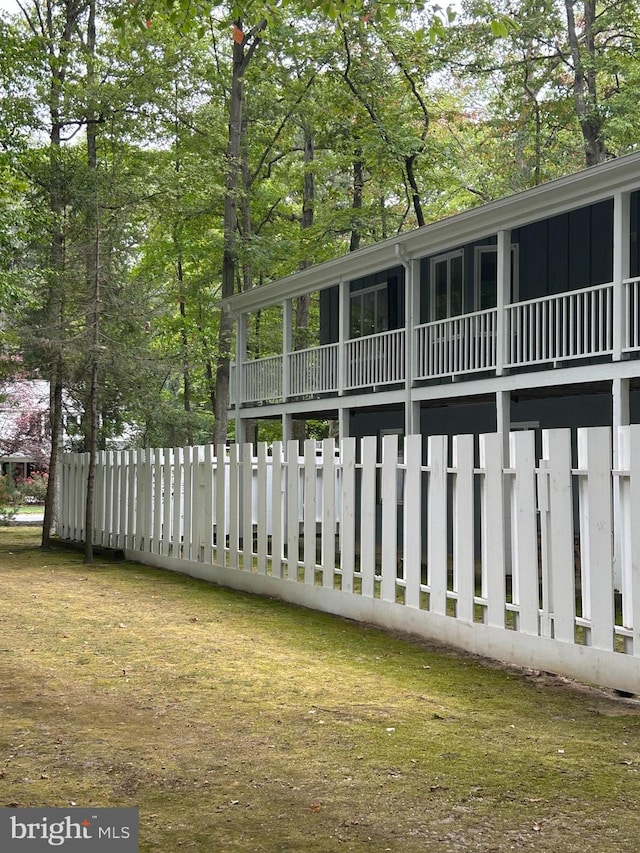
(521, 313)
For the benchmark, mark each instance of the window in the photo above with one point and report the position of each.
(370, 310)
(486, 276)
(447, 285)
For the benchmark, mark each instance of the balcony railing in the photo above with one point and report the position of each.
(464, 344)
(578, 324)
(574, 325)
(262, 380)
(313, 371)
(632, 313)
(375, 360)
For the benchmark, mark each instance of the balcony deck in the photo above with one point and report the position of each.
(590, 323)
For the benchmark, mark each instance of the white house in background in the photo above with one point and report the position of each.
(25, 439)
(524, 312)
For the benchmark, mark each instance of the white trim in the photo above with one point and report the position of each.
(439, 259)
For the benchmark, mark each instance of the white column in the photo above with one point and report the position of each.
(344, 422)
(287, 345)
(503, 297)
(241, 357)
(621, 238)
(287, 428)
(343, 332)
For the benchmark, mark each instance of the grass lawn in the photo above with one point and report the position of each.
(245, 724)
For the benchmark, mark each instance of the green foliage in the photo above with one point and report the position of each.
(9, 499)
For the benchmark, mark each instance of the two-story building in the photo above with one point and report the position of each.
(520, 313)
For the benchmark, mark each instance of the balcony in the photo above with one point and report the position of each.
(558, 329)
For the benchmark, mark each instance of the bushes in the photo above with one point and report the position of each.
(27, 490)
(10, 499)
(33, 488)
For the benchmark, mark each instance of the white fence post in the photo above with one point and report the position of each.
(559, 576)
(412, 518)
(293, 502)
(261, 520)
(493, 528)
(524, 535)
(310, 512)
(389, 523)
(368, 482)
(463, 526)
(234, 507)
(596, 534)
(437, 528)
(348, 514)
(328, 530)
(629, 474)
(277, 510)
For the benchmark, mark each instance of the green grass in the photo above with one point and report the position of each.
(240, 723)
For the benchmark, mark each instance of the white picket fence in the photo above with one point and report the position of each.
(531, 561)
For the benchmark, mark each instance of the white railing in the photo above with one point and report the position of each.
(577, 324)
(551, 329)
(262, 379)
(375, 360)
(632, 314)
(529, 578)
(462, 344)
(313, 370)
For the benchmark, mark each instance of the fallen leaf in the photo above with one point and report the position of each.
(315, 807)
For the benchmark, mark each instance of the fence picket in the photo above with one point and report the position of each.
(261, 528)
(328, 531)
(309, 524)
(389, 534)
(276, 500)
(493, 528)
(412, 515)
(463, 526)
(293, 501)
(556, 448)
(437, 523)
(247, 507)
(234, 507)
(629, 459)
(368, 479)
(348, 515)
(524, 536)
(596, 534)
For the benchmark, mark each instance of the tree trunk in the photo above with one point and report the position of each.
(585, 90)
(244, 46)
(301, 330)
(358, 188)
(56, 307)
(92, 265)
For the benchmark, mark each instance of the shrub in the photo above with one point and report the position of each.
(10, 498)
(33, 489)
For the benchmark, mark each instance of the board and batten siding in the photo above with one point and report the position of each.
(340, 529)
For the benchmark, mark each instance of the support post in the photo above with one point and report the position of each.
(621, 238)
(503, 297)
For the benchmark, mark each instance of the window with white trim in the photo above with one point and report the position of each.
(447, 285)
(369, 310)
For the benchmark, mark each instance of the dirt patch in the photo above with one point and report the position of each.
(241, 723)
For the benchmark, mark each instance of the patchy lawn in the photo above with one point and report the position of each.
(239, 723)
